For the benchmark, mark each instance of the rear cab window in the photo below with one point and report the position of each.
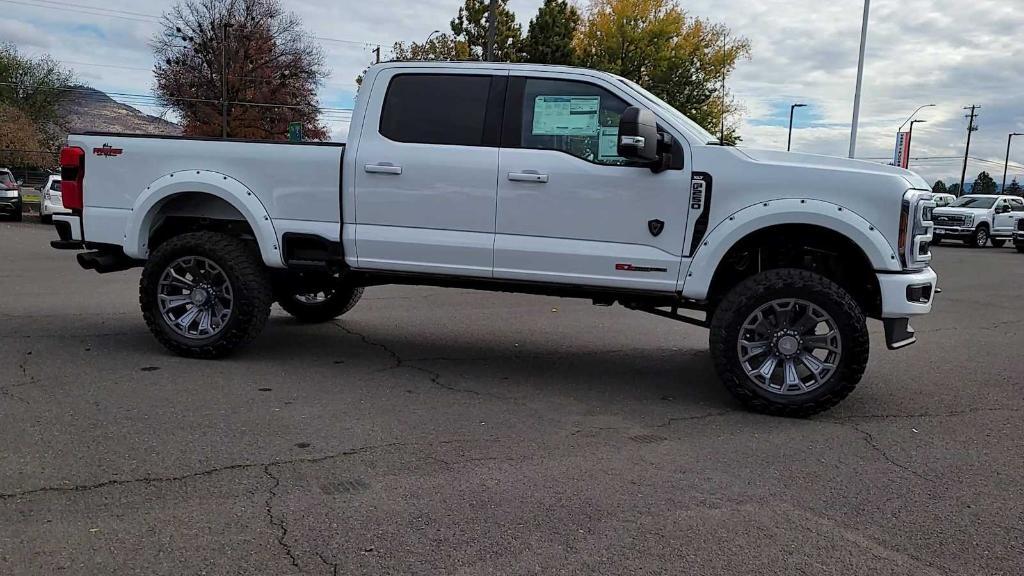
(445, 109)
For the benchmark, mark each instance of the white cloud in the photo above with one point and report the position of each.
(948, 52)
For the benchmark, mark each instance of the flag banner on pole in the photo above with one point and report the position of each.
(902, 156)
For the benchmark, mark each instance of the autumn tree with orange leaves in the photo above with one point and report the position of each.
(273, 70)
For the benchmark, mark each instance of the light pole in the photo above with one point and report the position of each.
(429, 36)
(1007, 166)
(860, 79)
(789, 142)
(910, 138)
(914, 114)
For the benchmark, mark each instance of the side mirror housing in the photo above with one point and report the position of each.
(638, 135)
(20, 182)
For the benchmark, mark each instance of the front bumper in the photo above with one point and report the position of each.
(10, 205)
(952, 231)
(905, 294)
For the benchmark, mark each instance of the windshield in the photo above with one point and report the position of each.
(669, 110)
(6, 179)
(973, 202)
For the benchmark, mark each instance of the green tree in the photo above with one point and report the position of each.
(549, 39)
(939, 187)
(470, 26)
(32, 89)
(954, 189)
(984, 184)
(1014, 188)
(682, 60)
(270, 60)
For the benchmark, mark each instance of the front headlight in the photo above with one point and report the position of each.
(916, 229)
(969, 220)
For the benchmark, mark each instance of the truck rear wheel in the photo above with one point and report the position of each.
(789, 342)
(204, 294)
(316, 304)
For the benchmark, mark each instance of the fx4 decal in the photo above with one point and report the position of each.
(108, 151)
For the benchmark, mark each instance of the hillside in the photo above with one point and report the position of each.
(89, 110)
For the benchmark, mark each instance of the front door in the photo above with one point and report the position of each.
(426, 167)
(569, 209)
(1007, 211)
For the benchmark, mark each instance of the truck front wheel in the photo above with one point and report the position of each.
(980, 237)
(315, 303)
(789, 342)
(204, 294)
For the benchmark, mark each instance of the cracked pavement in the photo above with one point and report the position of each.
(457, 432)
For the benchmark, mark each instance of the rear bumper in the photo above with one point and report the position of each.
(69, 230)
(47, 208)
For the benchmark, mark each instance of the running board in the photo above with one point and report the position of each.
(672, 313)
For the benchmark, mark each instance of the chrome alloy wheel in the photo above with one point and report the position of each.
(789, 346)
(195, 297)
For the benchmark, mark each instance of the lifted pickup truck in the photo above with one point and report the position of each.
(523, 178)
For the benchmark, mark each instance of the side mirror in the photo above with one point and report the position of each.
(638, 135)
(20, 182)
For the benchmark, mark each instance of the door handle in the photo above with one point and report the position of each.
(528, 176)
(383, 168)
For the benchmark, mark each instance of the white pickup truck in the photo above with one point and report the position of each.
(978, 219)
(517, 178)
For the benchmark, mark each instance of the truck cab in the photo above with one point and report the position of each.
(523, 178)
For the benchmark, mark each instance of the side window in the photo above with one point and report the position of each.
(436, 109)
(578, 118)
(1016, 204)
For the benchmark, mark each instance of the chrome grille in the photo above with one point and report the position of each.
(946, 220)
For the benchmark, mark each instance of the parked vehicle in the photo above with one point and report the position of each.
(10, 195)
(942, 200)
(50, 200)
(1018, 236)
(517, 178)
(977, 219)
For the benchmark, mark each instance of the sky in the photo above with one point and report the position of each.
(944, 52)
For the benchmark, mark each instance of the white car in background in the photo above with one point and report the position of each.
(942, 200)
(50, 201)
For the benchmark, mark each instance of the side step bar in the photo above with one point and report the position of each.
(104, 262)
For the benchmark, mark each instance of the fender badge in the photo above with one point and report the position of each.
(655, 227)
(108, 151)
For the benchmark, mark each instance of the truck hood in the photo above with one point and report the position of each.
(959, 211)
(833, 163)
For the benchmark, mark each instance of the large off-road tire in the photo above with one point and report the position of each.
(324, 305)
(204, 294)
(980, 237)
(803, 320)
(998, 242)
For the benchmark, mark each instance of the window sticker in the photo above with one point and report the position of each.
(566, 115)
(608, 146)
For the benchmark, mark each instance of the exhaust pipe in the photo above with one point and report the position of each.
(104, 262)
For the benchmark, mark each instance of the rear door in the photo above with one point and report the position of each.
(426, 167)
(569, 209)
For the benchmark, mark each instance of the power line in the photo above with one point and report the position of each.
(98, 12)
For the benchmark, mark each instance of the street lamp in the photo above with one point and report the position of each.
(915, 114)
(860, 79)
(910, 137)
(789, 142)
(429, 36)
(1006, 168)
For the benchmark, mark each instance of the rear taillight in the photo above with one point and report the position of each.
(72, 173)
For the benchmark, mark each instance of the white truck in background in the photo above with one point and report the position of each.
(525, 178)
(977, 219)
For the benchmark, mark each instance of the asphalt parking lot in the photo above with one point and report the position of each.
(440, 431)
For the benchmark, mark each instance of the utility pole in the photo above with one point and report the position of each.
(970, 128)
(377, 52)
(492, 30)
(860, 79)
(1006, 167)
(224, 78)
